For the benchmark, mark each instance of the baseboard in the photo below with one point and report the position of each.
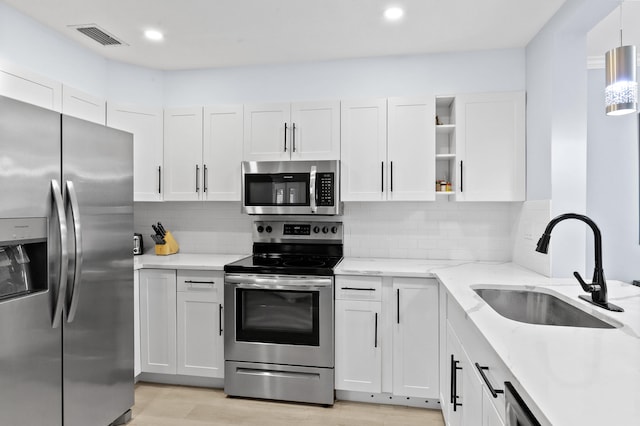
(390, 399)
(178, 379)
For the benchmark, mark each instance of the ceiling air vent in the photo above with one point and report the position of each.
(98, 34)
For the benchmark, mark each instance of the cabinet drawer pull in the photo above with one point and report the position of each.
(159, 179)
(200, 282)
(461, 176)
(375, 342)
(220, 320)
(197, 178)
(454, 383)
(204, 177)
(398, 306)
(494, 392)
(382, 176)
(285, 137)
(293, 137)
(391, 176)
(357, 288)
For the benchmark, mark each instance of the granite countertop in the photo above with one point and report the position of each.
(207, 262)
(575, 376)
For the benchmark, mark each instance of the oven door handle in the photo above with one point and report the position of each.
(312, 189)
(277, 283)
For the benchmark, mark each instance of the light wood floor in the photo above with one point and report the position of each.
(165, 405)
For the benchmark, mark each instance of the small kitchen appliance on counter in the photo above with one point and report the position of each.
(165, 243)
(279, 313)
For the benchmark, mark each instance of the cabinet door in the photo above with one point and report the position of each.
(315, 131)
(158, 321)
(222, 153)
(490, 138)
(29, 87)
(358, 343)
(146, 126)
(200, 341)
(265, 136)
(411, 149)
(183, 154)
(415, 338)
(82, 105)
(363, 150)
(490, 416)
(471, 395)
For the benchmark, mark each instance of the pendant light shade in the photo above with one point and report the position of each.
(621, 92)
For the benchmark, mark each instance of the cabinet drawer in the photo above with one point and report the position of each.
(358, 288)
(201, 281)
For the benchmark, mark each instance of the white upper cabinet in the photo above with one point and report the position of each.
(183, 154)
(315, 131)
(202, 153)
(82, 105)
(490, 143)
(292, 131)
(411, 149)
(146, 126)
(265, 136)
(29, 87)
(363, 149)
(388, 150)
(222, 153)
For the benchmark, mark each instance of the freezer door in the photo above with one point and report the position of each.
(98, 328)
(30, 345)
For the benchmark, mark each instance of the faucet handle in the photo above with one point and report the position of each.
(590, 288)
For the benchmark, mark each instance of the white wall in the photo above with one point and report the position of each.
(557, 125)
(613, 190)
(496, 70)
(34, 47)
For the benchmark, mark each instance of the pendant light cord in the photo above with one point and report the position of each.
(621, 22)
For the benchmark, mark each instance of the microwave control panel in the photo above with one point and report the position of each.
(325, 187)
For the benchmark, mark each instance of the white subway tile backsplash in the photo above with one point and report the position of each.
(414, 230)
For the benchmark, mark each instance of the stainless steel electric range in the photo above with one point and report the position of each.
(279, 342)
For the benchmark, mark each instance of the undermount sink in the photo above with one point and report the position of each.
(536, 307)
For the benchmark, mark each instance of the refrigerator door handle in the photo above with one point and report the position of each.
(56, 194)
(72, 200)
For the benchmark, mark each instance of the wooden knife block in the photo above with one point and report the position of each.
(170, 247)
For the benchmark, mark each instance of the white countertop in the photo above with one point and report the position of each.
(209, 262)
(575, 376)
(392, 267)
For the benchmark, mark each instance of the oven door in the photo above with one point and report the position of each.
(279, 319)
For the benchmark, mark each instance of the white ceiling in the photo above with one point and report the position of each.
(225, 33)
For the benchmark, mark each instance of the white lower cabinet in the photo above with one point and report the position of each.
(158, 321)
(199, 319)
(468, 399)
(181, 329)
(358, 347)
(387, 335)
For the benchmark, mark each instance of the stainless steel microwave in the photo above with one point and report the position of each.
(291, 187)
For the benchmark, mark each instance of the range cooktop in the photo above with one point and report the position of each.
(292, 248)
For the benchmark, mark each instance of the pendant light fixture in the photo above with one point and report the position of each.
(621, 92)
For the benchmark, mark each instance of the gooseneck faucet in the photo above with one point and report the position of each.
(598, 285)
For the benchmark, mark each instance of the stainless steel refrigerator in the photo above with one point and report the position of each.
(66, 270)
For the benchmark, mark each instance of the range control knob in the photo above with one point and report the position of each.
(268, 229)
(316, 229)
(260, 229)
(325, 229)
(334, 229)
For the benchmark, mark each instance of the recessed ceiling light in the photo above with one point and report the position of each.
(393, 13)
(154, 35)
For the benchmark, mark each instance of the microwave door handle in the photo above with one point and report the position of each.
(312, 189)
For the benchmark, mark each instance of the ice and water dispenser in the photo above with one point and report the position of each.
(23, 256)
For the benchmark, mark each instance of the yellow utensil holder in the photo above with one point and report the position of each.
(170, 247)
